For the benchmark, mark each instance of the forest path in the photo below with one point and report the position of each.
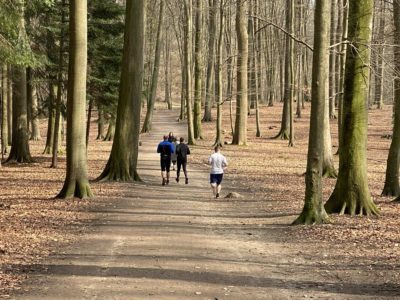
(177, 242)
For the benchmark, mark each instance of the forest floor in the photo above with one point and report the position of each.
(145, 241)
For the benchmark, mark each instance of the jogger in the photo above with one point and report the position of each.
(182, 151)
(218, 163)
(165, 149)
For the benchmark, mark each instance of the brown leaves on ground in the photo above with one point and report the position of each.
(270, 175)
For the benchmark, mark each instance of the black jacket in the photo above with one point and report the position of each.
(182, 151)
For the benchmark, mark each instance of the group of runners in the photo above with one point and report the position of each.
(175, 152)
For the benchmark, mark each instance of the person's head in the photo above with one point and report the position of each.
(171, 134)
(217, 148)
(181, 140)
(165, 137)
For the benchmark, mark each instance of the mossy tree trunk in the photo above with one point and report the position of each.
(51, 119)
(210, 59)
(9, 106)
(20, 147)
(33, 104)
(110, 130)
(240, 136)
(380, 52)
(76, 182)
(219, 140)
(313, 210)
(147, 124)
(392, 187)
(188, 8)
(332, 63)
(351, 194)
(100, 123)
(122, 163)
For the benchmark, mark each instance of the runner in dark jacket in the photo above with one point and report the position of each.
(182, 151)
(165, 149)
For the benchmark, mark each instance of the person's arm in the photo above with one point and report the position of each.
(172, 148)
(188, 150)
(210, 160)
(158, 149)
(224, 162)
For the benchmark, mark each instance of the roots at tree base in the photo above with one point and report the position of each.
(75, 188)
(330, 172)
(117, 172)
(358, 202)
(311, 217)
(391, 190)
(283, 135)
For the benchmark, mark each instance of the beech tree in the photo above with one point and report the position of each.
(122, 163)
(313, 210)
(76, 182)
(351, 194)
(392, 187)
(240, 135)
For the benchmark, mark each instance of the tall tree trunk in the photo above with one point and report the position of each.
(351, 194)
(210, 59)
(147, 124)
(100, 123)
(4, 110)
(167, 71)
(20, 147)
(51, 118)
(313, 210)
(240, 136)
(188, 68)
(291, 76)
(9, 105)
(198, 71)
(219, 140)
(122, 164)
(33, 103)
(76, 182)
(332, 63)
(380, 52)
(392, 187)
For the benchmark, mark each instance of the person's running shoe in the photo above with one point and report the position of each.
(177, 179)
(217, 195)
(186, 180)
(163, 181)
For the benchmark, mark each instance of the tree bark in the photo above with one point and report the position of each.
(198, 71)
(210, 59)
(351, 194)
(219, 140)
(392, 187)
(76, 182)
(240, 136)
(4, 110)
(20, 147)
(188, 68)
(122, 164)
(34, 118)
(313, 210)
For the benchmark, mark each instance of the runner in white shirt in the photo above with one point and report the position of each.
(218, 164)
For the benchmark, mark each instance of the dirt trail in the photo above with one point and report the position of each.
(176, 242)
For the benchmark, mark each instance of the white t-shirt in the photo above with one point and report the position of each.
(217, 162)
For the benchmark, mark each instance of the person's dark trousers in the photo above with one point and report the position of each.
(181, 164)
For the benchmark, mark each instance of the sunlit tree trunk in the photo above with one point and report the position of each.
(198, 71)
(240, 136)
(219, 140)
(4, 110)
(351, 194)
(76, 182)
(313, 210)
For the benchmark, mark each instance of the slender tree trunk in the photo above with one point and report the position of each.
(351, 194)
(33, 102)
(392, 187)
(110, 130)
(210, 60)
(122, 164)
(4, 110)
(51, 119)
(188, 68)
(379, 74)
(219, 140)
(9, 105)
(240, 136)
(167, 67)
(332, 63)
(89, 120)
(198, 71)
(100, 123)
(147, 124)
(290, 62)
(313, 210)
(76, 182)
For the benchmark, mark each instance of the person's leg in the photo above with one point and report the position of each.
(185, 172)
(168, 168)
(219, 186)
(214, 188)
(178, 170)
